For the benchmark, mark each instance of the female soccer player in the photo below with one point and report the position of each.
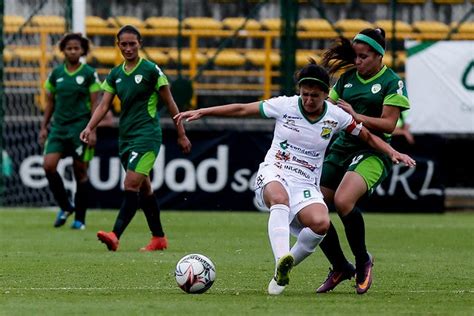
(288, 179)
(72, 91)
(374, 95)
(137, 83)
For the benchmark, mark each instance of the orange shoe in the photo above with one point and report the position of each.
(156, 243)
(109, 239)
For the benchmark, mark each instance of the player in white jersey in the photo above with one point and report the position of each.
(288, 179)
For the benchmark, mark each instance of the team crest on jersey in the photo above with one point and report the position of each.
(138, 78)
(80, 79)
(376, 88)
(326, 132)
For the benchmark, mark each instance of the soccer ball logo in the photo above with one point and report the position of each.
(195, 273)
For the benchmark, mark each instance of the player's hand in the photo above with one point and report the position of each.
(407, 160)
(187, 116)
(346, 107)
(43, 134)
(184, 144)
(85, 134)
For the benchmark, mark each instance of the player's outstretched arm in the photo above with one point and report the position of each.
(229, 110)
(377, 143)
(97, 116)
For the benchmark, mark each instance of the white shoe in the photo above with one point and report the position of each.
(274, 288)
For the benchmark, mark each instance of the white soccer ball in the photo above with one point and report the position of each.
(195, 273)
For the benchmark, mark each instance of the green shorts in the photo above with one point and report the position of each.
(371, 166)
(138, 157)
(68, 146)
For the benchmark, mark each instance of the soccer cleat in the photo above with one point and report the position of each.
(109, 239)
(274, 288)
(284, 266)
(156, 243)
(364, 277)
(61, 218)
(336, 277)
(78, 225)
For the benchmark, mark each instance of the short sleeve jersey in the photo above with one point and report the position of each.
(299, 144)
(368, 97)
(71, 90)
(138, 94)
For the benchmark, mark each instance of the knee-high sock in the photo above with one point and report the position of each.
(149, 205)
(59, 192)
(332, 249)
(80, 201)
(305, 245)
(355, 232)
(278, 230)
(126, 213)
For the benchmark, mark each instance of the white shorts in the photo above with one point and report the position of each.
(300, 194)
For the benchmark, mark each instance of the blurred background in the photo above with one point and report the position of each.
(225, 51)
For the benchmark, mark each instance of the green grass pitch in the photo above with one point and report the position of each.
(423, 266)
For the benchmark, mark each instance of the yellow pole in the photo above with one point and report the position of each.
(267, 76)
(193, 43)
(43, 63)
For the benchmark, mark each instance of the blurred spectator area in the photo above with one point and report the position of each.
(229, 56)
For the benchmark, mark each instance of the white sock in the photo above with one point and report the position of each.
(278, 230)
(305, 245)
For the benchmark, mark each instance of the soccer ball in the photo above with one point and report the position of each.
(195, 273)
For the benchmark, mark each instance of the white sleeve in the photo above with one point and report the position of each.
(274, 107)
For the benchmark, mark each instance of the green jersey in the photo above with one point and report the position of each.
(368, 97)
(138, 94)
(72, 102)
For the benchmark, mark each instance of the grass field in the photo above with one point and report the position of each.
(423, 266)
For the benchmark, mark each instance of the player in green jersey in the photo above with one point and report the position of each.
(375, 96)
(137, 82)
(72, 92)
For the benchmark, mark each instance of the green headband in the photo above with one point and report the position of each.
(324, 84)
(371, 42)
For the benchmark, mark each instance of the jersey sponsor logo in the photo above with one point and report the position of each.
(281, 155)
(118, 80)
(298, 171)
(291, 124)
(80, 79)
(285, 145)
(331, 123)
(291, 117)
(348, 85)
(376, 88)
(60, 79)
(278, 165)
(138, 79)
(304, 163)
(326, 133)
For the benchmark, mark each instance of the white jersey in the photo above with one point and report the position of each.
(299, 144)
